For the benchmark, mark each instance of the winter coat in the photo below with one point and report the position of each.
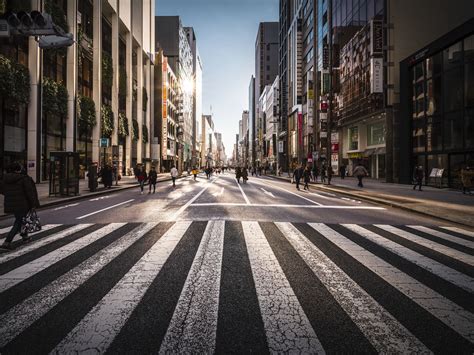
(20, 193)
(466, 177)
(245, 174)
(307, 176)
(360, 171)
(153, 176)
(142, 176)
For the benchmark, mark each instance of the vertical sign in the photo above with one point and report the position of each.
(280, 147)
(376, 75)
(164, 110)
(300, 128)
(376, 37)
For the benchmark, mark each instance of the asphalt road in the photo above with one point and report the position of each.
(213, 266)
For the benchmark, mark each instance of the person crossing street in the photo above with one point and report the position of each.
(174, 175)
(142, 178)
(152, 178)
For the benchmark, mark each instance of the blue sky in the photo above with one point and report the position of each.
(226, 31)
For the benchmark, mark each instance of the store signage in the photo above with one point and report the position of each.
(164, 111)
(325, 56)
(280, 147)
(335, 137)
(376, 75)
(324, 106)
(323, 116)
(376, 37)
(300, 128)
(335, 147)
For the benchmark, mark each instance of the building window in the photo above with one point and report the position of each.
(354, 138)
(376, 134)
(453, 131)
(452, 56)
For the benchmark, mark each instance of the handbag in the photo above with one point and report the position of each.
(31, 223)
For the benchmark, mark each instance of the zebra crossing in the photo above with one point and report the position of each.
(238, 286)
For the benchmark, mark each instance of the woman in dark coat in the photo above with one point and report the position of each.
(306, 178)
(20, 197)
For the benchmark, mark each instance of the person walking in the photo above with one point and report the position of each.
(418, 175)
(314, 173)
(306, 178)
(297, 175)
(194, 172)
(342, 171)
(107, 176)
(174, 175)
(152, 178)
(245, 175)
(142, 178)
(323, 174)
(329, 174)
(467, 174)
(360, 171)
(21, 196)
(238, 174)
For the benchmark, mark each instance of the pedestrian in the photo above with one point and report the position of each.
(323, 174)
(107, 176)
(174, 175)
(297, 175)
(245, 175)
(21, 197)
(194, 172)
(306, 178)
(238, 174)
(418, 175)
(342, 171)
(360, 171)
(329, 174)
(314, 173)
(467, 174)
(279, 171)
(142, 178)
(152, 178)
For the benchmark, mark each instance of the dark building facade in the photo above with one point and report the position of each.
(284, 24)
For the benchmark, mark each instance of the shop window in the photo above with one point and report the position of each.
(469, 48)
(452, 56)
(469, 128)
(453, 131)
(434, 65)
(434, 134)
(433, 96)
(418, 73)
(354, 138)
(453, 91)
(376, 134)
(418, 136)
(469, 84)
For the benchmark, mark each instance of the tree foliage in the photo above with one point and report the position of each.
(123, 88)
(144, 134)
(87, 116)
(107, 70)
(135, 133)
(145, 99)
(123, 130)
(107, 121)
(55, 97)
(14, 82)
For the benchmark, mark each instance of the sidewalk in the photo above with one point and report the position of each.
(448, 204)
(126, 182)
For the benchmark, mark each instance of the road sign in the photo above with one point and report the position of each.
(104, 142)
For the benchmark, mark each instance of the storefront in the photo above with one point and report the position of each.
(438, 106)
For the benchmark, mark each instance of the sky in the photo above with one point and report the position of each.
(225, 32)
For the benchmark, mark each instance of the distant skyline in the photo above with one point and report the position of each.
(226, 31)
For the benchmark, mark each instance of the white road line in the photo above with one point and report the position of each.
(23, 272)
(440, 307)
(42, 242)
(209, 204)
(243, 193)
(460, 231)
(66, 206)
(444, 236)
(293, 193)
(187, 204)
(101, 325)
(220, 193)
(105, 209)
(383, 331)
(21, 316)
(43, 229)
(267, 192)
(453, 276)
(193, 327)
(287, 327)
(465, 258)
(100, 198)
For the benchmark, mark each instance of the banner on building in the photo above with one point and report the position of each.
(376, 75)
(376, 37)
(164, 111)
(300, 128)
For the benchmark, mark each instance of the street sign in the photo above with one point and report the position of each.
(104, 142)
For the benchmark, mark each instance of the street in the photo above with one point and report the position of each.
(214, 266)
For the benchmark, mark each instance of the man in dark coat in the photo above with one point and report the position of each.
(20, 197)
(152, 177)
(418, 175)
(297, 175)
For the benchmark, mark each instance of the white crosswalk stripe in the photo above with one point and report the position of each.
(43, 229)
(193, 324)
(460, 231)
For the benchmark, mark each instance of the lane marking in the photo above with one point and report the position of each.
(42, 242)
(455, 277)
(185, 206)
(379, 326)
(453, 253)
(460, 231)
(236, 204)
(243, 193)
(293, 193)
(444, 236)
(21, 316)
(220, 193)
(24, 272)
(63, 207)
(267, 192)
(287, 327)
(440, 307)
(193, 327)
(92, 332)
(100, 198)
(105, 209)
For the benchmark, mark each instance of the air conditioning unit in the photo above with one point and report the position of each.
(4, 29)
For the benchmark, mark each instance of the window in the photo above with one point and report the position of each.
(433, 96)
(469, 48)
(453, 131)
(452, 56)
(419, 136)
(354, 138)
(453, 90)
(376, 134)
(434, 134)
(469, 84)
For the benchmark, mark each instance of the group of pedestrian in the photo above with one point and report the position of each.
(21, 197)
(106, 174)
(143, 178)
(241, 173)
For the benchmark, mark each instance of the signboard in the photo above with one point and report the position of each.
(164, 110)
(335, 162)
(335, 137)
(325, 56)
(323, 116)
(280, 147)
(376, 37)
(440, 173)
(300, 128)
(335, 147)
(315, 156)
(376, 75)
(104, 142)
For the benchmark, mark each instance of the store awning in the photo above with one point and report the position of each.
(369, 152)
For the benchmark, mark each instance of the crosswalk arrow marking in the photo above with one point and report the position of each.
(267, 192)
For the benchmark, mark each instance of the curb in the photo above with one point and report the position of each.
(379, 201)
(86, 196)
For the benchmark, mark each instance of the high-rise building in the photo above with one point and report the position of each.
(250, 149)
(96, 88)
